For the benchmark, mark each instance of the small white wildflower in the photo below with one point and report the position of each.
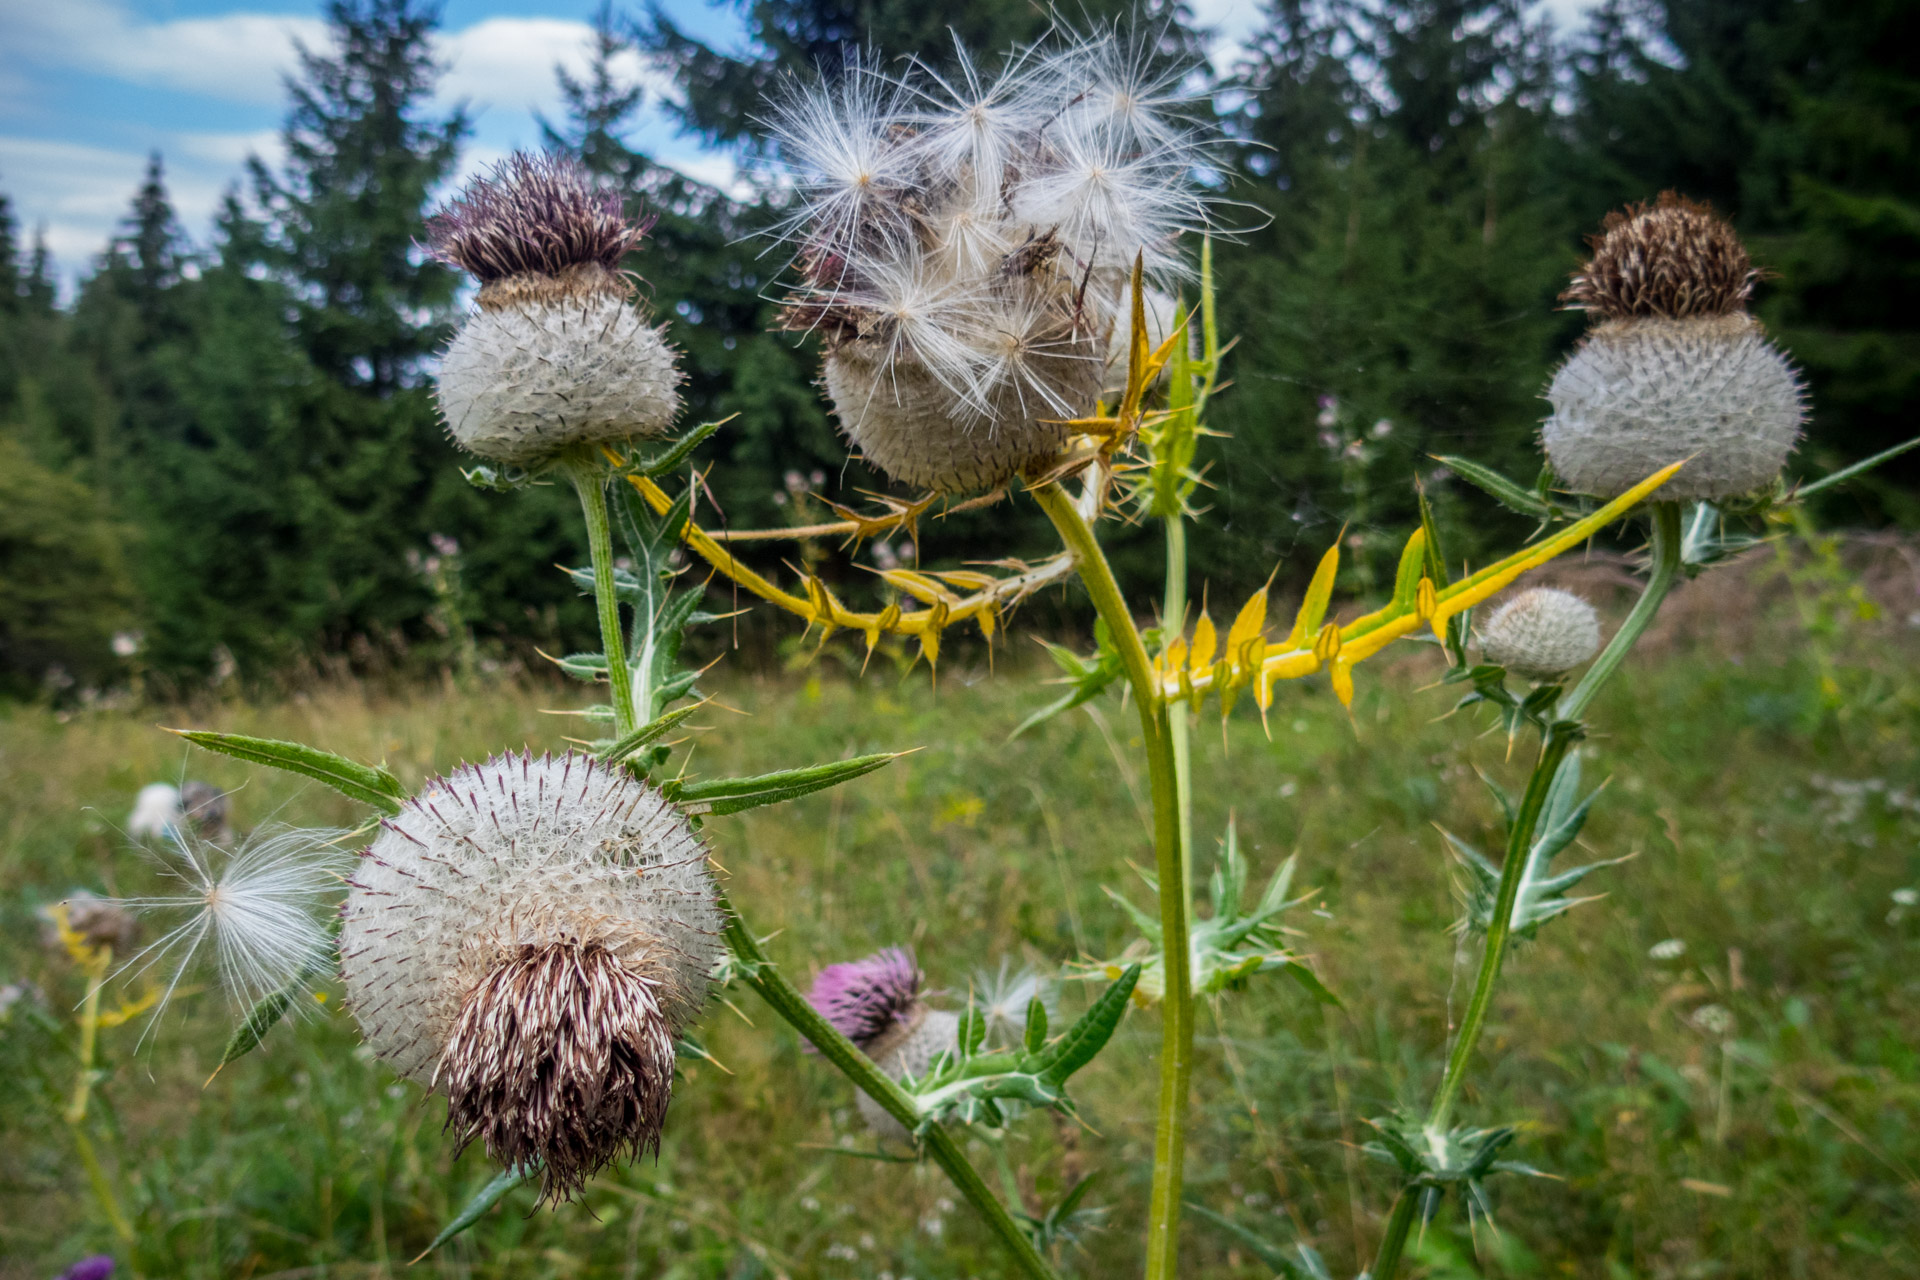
(1906, 897)
(1668, 949)
(1713, 1019)
(156, 811)
(259, 909)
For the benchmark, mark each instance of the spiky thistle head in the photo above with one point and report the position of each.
(530, 935)
(867, 998)
(556, 355)
(1673, 258)
(1674, 367)
(1542, 633)
(536, 223)
(256, 911)
(964, 245)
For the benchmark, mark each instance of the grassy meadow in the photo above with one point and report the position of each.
(1770, 800)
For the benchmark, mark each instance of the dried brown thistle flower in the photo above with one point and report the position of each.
(561, 1056)
(1674, 258)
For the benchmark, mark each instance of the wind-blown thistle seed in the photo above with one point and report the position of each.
(556, 354)
(1542, 633)
(964, 249)
(530, 935)
(1675, 367)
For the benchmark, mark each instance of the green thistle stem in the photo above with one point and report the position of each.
(759, 973)
(1176, 1043)
(590, 482)
(1665, 550)
(1173, 620)
(1561, 736)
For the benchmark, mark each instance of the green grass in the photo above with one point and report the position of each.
(1769, 838)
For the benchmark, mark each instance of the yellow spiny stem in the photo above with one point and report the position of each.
(819, 607)
(1311, 647)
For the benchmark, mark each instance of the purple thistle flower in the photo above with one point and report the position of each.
(98, 1267)
(865, 998)
(533, 215)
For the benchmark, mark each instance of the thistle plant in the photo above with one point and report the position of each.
(996, 269)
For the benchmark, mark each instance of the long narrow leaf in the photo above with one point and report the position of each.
(1491, 482)
(476, 1208)
(731, 795)
(1090, 1034)
(365, 783)
(647, 733)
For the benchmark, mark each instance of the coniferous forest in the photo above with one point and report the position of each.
(229, 449)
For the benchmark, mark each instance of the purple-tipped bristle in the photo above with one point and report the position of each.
(864, 998)
(533, 215)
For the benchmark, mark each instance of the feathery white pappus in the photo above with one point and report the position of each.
(555, 354)
(1674, 367)
(258, 908)
(530, 934)
(1542, 633)
(964, 246)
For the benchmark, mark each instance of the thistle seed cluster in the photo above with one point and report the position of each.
(964, 248)
(530, 935)
(555, 354)
(1542, 633)
(1674, 366)
(876, 1003)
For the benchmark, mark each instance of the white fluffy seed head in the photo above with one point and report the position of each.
(1542, 633)
(1641, 393)
(965, 256)
(909, 1052)
(524, 380)
(498, 860)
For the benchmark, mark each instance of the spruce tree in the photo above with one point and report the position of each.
(1399, 300)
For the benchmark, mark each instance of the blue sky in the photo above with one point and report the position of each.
(89, 87)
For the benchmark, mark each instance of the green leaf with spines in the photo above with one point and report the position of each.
(1298, 1262)
(615, 752)
(1035, 1038)
(1089, 677)
(1504, 491)
(368, 784)
(716, 796)
(487, 1197)
(265, 1015)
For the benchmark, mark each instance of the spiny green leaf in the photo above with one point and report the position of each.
(717, 796)
(679, 451)
(1036, 1035)
(1090, 1034)
(365, 783)
(476, 1208)
(266, 1012)
(1497, 486)
(647, 733)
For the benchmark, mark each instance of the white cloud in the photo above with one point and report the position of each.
(509, 62)
(81, 193)
(235, 57)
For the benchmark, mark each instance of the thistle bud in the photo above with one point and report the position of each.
(966, 257)
(555, 354)
(1542, 633)
(1674, 366)
(876, 1003)
(530, 935)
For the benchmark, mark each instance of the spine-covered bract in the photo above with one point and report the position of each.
(530, 935)
(555, 353)
(1674, 367)
(1542, 632)
(964, 249)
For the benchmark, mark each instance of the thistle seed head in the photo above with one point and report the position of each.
(563, 1056)
(1542, 633)
(963, 247)
(1637, 395)
(909, 1049)
(530, 934)
(865, 999)
(535, 224)
(1674, 258)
